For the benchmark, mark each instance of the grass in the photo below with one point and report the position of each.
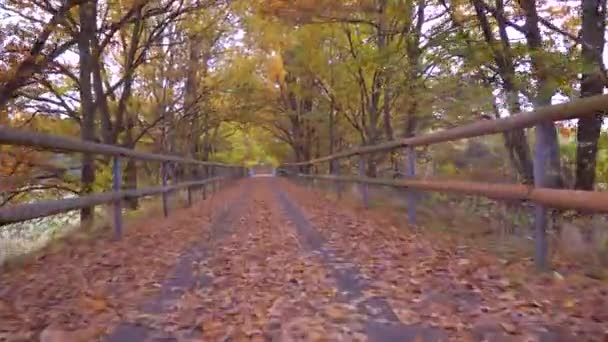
(23, 242)
(505, 231)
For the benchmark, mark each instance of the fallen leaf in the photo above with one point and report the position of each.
(508, 327)
(96, 304)
(569, 303)
(464, 262)
(336, 311)
(507, 296)
(53, 334)
(407, 316)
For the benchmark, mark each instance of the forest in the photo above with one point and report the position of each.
(272, 81)
(271, 85)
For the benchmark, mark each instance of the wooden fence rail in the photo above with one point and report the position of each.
(22, 212)
(542, 196)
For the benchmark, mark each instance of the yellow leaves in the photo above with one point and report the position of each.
(275, 68)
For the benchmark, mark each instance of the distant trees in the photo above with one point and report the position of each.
(313, 76)
(401, 67)
(131, 73)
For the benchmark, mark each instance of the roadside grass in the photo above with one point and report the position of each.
(505, 231)
(25, 242)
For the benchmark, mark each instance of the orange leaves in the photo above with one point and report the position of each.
(94, 304)
(465, 291)
(338, 312)
(58, 335)
(508, 327)
(79, 291)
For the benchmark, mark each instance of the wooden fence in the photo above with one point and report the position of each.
(214, 175)
(542, 196)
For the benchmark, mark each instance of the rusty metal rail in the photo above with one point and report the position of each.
(22, 212)
(16, 137)
(563, 111)
(556, 198)
(542, 196)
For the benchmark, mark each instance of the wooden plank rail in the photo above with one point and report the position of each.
(542, 196)
(17, 213)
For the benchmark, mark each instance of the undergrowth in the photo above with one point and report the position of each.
(22, 242)
(505, 230)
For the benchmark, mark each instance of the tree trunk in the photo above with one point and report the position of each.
(589, 127)
(515, 141)
(192, 93)
(109, 133)
(545, 131)
(332, 135)
(87, 129)
(516, 144)
(130, 174)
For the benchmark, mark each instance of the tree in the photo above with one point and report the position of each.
(592, 83)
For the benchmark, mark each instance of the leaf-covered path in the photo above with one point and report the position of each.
(267, 260)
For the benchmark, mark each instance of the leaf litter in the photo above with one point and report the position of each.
(465, 291)
(79, 292)
(266, 287)
(260, 283)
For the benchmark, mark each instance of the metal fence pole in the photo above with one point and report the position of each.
(163, 172)
(213, 173)
(116, 186)
(206, 176)
(411, 193)
(189, 189)
(363, 186)
(541, 155)
(336, 171)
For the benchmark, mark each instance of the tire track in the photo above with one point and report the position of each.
(265, 287)
(381, 323)
(182, 279)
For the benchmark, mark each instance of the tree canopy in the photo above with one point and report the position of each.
(270, 81)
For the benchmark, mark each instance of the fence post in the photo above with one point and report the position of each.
(212, 173)
(541, 154)
(411, 193)
(188, 189)
(163, 172)
(336, 172)
(206, 176)
(314, 170)
(363, 186)
(220, 182)
(116, 185)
